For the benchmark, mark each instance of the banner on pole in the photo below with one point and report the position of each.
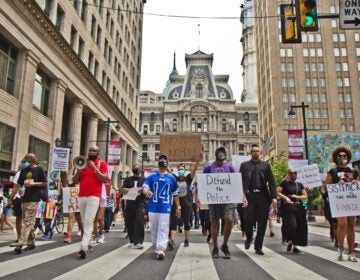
(295, 143)
(114, 152)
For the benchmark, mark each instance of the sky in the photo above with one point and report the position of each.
(164, 35)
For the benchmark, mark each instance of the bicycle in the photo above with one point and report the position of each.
(59, 219)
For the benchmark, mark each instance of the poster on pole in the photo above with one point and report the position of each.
(60, 159)
(114, 152)
(220, 188)
(71, 200)
(344, 199)
(309, 176)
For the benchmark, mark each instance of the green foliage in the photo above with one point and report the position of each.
(279, 167)
(318, 201)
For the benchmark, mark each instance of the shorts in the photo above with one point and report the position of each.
(219, 211)
(17, 207)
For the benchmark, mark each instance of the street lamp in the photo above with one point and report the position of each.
(292, 112)
(144, 157)
(117, 128)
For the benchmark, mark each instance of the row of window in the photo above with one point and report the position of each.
(323, 113)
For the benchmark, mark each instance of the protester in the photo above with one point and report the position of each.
(33, 178)
(7, 212)
(220, 211)
(91, 180)
(259, 188)
(48, 216)
(135, 209)
(293, 213)
(110, 207)
(160, 187)
(186, 198)
(342, 174)
(98, 230)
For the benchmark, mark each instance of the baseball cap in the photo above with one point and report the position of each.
(220, 149)
(162, 156)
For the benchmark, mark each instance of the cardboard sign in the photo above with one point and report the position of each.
(344, 199)
(60, 159)
(180, 146)
(309, 176)
(220, 188)
(71, 200)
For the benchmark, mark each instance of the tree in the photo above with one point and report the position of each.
(279, 166)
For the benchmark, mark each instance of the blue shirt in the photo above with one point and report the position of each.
(163, 187)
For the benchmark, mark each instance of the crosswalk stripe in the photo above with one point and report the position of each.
(25, 262)
(280, 267)
(193, 262)
(108, 267)
(331, 256)
(9, 249)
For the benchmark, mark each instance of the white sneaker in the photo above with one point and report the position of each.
(160, 255)
(352, 258)
(340, 254)
(101, 239)
(131, 245)
(138, 246)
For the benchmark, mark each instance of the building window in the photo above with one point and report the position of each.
(59, 18)
(8, 59)
(349, 113)
(90, 61)
(193, 123)
(292, 97)
(342, 113)
(41, 150)
(157, 129)
(323, 97)
(84, 10)
(72, 36)
(348, 97)
(309, 113)
(93, 27)
(145, 130)
(317, 113)
(98, 37)
(341, 97)
(325, 113)
(96, 69)
(199, 91)
(7, 134)
(48, 7)
(41, 92)
(308, 97)
(81, 47)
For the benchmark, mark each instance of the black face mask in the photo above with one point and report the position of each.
(163, 163)
(91, 157)
(220, 156)
(136, 171)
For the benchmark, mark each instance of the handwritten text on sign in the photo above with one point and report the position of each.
(220, 188)
(71, 200)
(309, 176)
(344, 199)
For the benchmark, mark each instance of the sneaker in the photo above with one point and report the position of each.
(131, 245)
(44, 237)
(186, 243)
(170, 245)
(340, 254)
(67, 239)
(160, 255)
(215, 252)
(297, 251)
(352, 258)
(82, 254)
(18, 249)
(203, 230)
(259, 252)
(29, 247)
(138, 246)
(101, 239)
(272, 234)
(225, 249)
(289, 247)
(247, 243)
(52, 232)
(15, 243)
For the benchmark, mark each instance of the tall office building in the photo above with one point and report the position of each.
(323, 72)
(69, 70)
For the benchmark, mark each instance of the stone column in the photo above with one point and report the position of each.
(56, 107)
(101, 140)
(91, 132)
(74, 129)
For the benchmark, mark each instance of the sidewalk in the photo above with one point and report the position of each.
(320, 221)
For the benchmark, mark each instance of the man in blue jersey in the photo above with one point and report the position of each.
(160, 187)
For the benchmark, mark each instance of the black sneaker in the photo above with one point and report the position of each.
(82, 254)
(215, 252)
(289, 247)
(30, 247)
(259, 252)
(297, 251)
(18, 249)
(170, 245)
(186, 243)
(247, 243)
(225, 249)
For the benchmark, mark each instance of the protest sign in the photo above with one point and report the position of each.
(71, 200)
(309, 176)
(344, 199)
(220, 188)
(60, 159)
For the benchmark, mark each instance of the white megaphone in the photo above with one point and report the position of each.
(79, 162)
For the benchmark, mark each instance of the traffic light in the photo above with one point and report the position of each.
(290, 33)
(308, 18)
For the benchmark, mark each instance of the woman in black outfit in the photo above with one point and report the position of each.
(293, 213)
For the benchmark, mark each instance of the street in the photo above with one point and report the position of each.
(113, 259)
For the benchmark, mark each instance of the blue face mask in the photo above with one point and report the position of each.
(181, 173)
(26, 164)
(51, 187)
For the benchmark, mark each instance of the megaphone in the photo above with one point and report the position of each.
(79, 162)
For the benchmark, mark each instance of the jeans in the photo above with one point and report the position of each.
(108, 215)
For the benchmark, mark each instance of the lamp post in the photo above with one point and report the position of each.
(145, 157)
(292, 112)
(117, 128)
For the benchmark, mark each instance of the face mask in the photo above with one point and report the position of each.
(21, 165)
(26, 164)
(342, 160)
(51, 187)
(163, 163)
(220, 156)
(181, 173)
(92, 157)
(136, 171)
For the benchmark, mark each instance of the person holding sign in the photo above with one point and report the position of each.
(91, 180)
(259, 188)
(160, 187)
(220, 211)
(293, 212)
(342, 174)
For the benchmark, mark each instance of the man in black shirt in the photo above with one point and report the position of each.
(259, 188)
(33, 178)
(135, 209)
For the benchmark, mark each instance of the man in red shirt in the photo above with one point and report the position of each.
(91, 179)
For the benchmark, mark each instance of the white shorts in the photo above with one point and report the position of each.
(103, 196)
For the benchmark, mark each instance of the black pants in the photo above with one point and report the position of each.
(295, 226)
(241, 211)
(205, 219)
(186, 212)
(134, 221)
(257, 212)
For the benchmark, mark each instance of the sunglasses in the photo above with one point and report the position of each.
(342, 155)
(292, 172)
